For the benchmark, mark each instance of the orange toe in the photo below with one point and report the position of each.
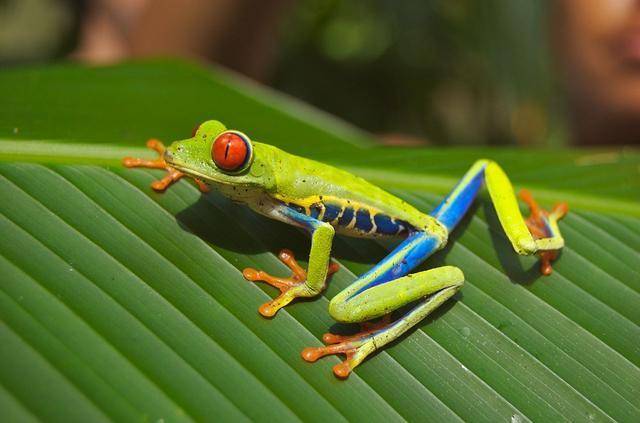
(172, 175)
(354, 347)
(342, 370)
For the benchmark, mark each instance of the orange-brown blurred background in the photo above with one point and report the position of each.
(440, 72)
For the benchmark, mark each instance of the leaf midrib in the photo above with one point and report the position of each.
(49, 152)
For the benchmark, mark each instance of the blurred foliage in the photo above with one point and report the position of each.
(37, 30)
(453, 71)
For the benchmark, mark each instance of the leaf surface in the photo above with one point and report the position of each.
(119, 303)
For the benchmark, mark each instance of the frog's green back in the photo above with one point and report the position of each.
(304, 182)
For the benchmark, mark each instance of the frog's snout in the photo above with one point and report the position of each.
(168, 156)
(174, 153)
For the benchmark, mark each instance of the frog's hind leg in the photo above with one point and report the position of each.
(382, 290)
(435, 286)
(539, 234)
(172, 175)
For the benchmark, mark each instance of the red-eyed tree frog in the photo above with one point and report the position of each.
(324, 200)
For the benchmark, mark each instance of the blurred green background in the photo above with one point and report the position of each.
(453, 72)
(439, 72)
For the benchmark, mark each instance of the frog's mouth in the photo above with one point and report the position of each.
(171, 161)
(223, 179)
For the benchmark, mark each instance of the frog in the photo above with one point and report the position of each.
(325, 201)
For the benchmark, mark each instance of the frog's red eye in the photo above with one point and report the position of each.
(195, 129)
(231, 151)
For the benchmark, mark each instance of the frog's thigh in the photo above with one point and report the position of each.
(385, 298)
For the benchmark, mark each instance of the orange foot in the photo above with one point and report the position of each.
(172, 176)
(355, 347)
(536, 222)
(290, 288)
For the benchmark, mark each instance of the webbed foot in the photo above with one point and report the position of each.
(539, 223)
(172, 175)
(290, 287)
(355, 347)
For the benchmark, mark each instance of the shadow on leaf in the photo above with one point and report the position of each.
(509, 259)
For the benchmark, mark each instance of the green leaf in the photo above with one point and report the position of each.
(119, 303)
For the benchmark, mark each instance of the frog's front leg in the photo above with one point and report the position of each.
(302, 283)
(172, 175)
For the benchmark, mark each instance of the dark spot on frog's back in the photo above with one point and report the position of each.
(331, 212)
(363, 221)
(347, 217)
(384, 225)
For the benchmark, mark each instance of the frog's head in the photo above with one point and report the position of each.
(223, 158)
